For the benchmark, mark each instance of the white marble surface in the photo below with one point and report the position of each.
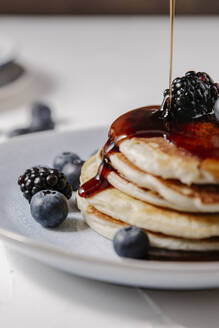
(91, 70)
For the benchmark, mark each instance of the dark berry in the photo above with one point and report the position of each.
(64, 158)
(41, 118)
(49, 208)
(131, 242)
(216, 109)
(34, 190)
(20, 180)
(28, 171)
(52, 180)
(18, 132)
(68, 190)
(22, 187)
(26, 177)
(39, 181)
(72, 173)
(61, 184)
(27, 194)
(41, 110)
(29, 184)
(41, 178)
(193, 96)
(41, 127)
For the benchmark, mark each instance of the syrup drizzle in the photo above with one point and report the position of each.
(129, 125)
(172, 15)
(200, 137)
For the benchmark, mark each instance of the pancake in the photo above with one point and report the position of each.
(161, 246)
(162, 158)
(160, 175)
(133, 190)
(120, 206)
(169, 193)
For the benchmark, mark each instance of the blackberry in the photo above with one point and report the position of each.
(40, 178)
(193, 95)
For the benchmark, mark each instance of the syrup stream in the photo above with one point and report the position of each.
(172, 15)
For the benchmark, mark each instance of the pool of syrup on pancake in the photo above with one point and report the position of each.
(199, 137)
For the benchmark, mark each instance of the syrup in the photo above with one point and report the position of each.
(172, 16)
(200, 137)
(97, 183)
(142, 122)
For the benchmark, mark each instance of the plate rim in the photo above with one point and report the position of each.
(169, 266)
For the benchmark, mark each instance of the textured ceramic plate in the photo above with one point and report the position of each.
(73, 247)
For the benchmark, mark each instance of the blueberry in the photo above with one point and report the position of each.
(38, 126)
(49, 208)
(64, 158)
(40, 110)
(72, 171)
(18, 132)
(131, 242)
(41, 118)
(216, 109)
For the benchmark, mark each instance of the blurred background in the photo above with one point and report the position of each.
(130, 7)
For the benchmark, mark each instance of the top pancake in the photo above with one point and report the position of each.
(162, 158)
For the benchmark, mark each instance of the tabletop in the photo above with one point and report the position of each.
(91, 69)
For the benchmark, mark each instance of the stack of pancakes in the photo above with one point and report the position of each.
(165, 190)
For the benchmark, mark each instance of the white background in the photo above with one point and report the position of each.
(91, 70)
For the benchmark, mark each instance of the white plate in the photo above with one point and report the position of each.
(74, 247)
